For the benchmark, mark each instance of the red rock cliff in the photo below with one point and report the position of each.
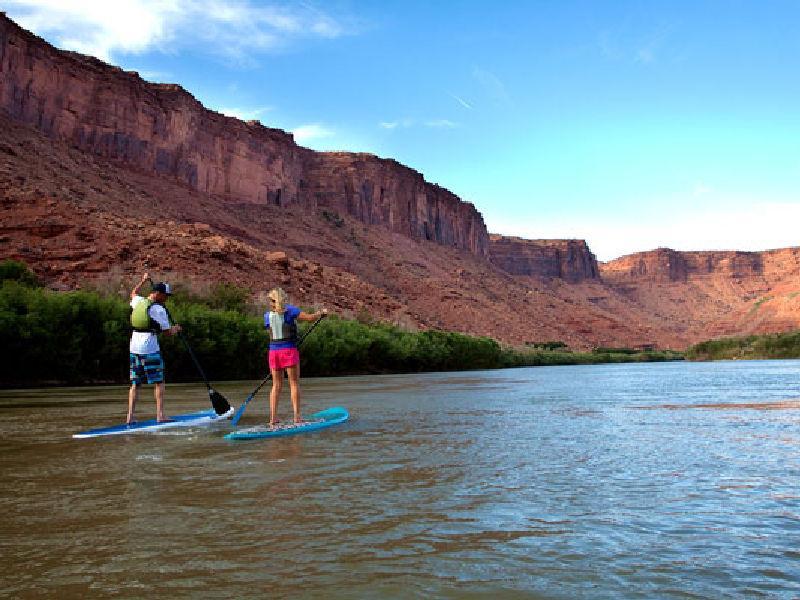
(570, 260)
(161, 128)
(665, 265)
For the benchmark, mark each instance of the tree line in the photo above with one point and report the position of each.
(778, 345)
(78, 337)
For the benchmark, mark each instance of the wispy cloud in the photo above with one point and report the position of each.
(624, 45)
(461, 101)
(407, 123)
(234, 29)
(245, 114)
(400, 123)
(647, 51)
(157, 76)
(441, 124)
(306, 134)
(701, 189)
(492, 85)
(609, 44)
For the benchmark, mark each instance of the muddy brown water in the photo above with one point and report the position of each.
(546, 482)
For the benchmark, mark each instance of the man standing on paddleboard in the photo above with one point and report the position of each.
(148, 319)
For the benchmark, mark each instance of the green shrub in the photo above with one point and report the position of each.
(14, 270)
(780, 345)
(82, 337)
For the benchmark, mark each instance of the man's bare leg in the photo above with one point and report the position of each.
(158, 392)
(133, 396)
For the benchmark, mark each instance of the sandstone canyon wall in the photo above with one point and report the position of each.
(666, 265)
(102, 172)
(709, 294)
(570, 260)
(162, 129)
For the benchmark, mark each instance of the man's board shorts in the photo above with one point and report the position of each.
(146, 368)
(284, 358)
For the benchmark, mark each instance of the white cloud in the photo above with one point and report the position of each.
(404, 123)
(107, 29)
(245, 114)
(157, 76)
(441, 124)
(461, 101)
(312, 132)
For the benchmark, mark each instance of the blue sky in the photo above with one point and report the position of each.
(632, 125)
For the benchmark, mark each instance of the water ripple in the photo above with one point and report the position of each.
(634, 481)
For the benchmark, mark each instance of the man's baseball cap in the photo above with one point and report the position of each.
(163, 287)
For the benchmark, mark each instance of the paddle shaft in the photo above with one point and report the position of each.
(189, 350)
(241, 409)
(194, 360)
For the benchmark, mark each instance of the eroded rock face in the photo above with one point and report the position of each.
(570, 260)
(659, 265)
(162, 129)
(384, 192)
(664, 265)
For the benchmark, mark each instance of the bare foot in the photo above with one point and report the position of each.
(164, 420)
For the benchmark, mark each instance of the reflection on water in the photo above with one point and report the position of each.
(545, 482)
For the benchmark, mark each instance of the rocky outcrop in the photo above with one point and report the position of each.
(384, 192)
(570, 260)
(164, 130)
(666, 265)
(659, 265)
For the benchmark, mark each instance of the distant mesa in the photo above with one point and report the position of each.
(570, 260)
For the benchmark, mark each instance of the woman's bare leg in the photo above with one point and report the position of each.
(294, 387)
(277, 385)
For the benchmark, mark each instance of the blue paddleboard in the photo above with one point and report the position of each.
(197, 419)
(317, 421)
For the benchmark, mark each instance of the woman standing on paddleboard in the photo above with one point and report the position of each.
(281, 320)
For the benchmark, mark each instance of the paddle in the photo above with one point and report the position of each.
(218, 401)
(242, 408)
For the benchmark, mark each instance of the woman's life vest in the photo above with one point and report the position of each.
(142, 321)
(280, 330)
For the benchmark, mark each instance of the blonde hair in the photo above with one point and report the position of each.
(279, 299)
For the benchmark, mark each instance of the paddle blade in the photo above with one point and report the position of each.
(218, 401)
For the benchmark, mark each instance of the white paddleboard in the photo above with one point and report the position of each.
(198, 419)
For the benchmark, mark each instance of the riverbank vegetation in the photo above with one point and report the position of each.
(778, 345)
(76, 337)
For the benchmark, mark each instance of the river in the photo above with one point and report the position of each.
(668, 480)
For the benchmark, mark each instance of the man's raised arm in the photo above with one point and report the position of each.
(135, 291)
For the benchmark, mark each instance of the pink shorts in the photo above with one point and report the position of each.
(284, 358)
